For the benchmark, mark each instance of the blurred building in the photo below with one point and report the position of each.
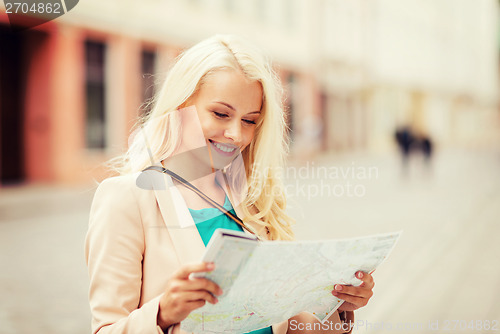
(429, 64)
(353, 70)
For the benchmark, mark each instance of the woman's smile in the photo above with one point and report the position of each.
(224, 149)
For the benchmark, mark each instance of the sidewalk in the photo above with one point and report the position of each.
(43, 281)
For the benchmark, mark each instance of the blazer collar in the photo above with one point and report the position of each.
(179, 223)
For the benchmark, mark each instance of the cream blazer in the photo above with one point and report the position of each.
(140, 232)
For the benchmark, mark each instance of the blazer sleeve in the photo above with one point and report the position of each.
(114, 249)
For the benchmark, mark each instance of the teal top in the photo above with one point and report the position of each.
(208, 220)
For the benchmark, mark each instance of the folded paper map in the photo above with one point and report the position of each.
(266, 282)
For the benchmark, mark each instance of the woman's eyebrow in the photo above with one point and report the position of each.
(232, 108)
(226, 104)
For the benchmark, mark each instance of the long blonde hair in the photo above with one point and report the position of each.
(263, 159)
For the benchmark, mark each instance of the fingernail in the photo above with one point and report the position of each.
(360, 274)
(338, 287)
(220, 292)
(210, 266)
(216, 301)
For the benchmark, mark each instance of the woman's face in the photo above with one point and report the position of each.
(228, 107)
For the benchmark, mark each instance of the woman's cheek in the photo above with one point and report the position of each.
(249, 136)
(208, 128)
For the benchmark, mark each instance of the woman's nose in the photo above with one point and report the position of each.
(234, 132)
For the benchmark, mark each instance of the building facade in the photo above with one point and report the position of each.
(71, 89)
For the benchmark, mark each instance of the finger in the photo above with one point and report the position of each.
(366, 278)
(195, 284)
(358, 301)
(203, 284)
(196, 304)
(194, 296)
(188, 307)
(187, 269)
(355, 291)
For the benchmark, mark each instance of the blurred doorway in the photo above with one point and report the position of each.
(11, 107)
(23, 96)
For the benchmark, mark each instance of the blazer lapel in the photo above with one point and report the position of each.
(179, 223)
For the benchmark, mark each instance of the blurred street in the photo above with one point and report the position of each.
(444, 267)
(43, 280)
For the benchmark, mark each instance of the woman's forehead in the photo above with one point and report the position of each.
(232, 89)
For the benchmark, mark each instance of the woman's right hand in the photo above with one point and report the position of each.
(184, 294)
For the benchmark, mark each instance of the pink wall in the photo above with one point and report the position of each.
(67, 104)
(37, 125)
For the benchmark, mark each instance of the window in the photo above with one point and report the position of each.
(95, 53)
(289, 14)
(229, 6)
(261, 10)
(148, 60)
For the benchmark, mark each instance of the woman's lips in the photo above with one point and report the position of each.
(226, 150)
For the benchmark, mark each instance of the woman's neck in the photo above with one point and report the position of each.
(190, 166)
(199, 175)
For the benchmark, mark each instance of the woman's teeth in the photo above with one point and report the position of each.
(224, 148)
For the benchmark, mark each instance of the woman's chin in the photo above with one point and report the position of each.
(221, 162)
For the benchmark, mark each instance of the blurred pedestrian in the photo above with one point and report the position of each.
(404, 139)
(411, 143)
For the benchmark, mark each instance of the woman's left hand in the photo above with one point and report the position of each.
(355, 296)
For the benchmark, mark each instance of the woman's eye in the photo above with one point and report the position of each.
(219, 115)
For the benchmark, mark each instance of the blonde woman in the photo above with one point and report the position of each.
(217, 125)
